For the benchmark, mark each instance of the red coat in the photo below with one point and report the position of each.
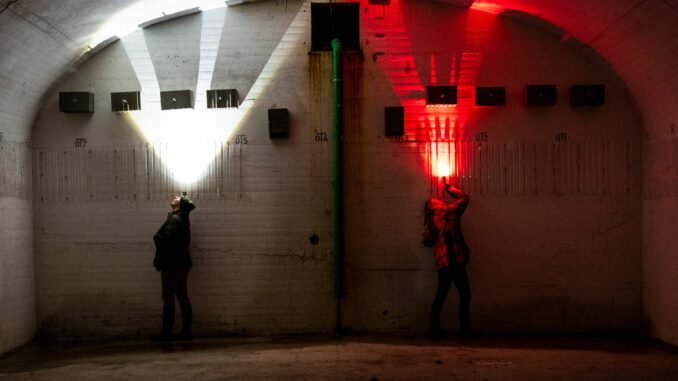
(447, 219)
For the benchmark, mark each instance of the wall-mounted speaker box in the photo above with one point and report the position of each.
(441, 95)
(222, 98)
(490, 96)
(587, 95)
(278, 123)
(76, 102)
(394, 121)
(541, 95)
(126, 101)
(172, 100)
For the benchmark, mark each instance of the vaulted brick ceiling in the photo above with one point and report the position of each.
(44, 39)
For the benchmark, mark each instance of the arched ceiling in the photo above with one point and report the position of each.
(43, 40)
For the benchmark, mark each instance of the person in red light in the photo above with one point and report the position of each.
(451, 255)
(173, 260)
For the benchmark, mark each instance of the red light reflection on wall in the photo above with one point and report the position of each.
(443, 168)
(417, 44)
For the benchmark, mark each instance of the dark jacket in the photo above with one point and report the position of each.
(174, 238)
(450, 245)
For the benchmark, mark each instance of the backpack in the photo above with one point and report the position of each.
(429, 233)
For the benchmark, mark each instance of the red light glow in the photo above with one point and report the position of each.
(423, 44)
(443, 168)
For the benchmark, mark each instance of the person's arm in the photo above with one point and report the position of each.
(461, 198)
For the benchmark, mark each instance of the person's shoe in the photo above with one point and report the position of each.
(184, 336)
(468, 335)
(167, 324)
(439, 334)
(186, 332)
(162, 337)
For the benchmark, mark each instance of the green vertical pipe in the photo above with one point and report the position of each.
(337, 192)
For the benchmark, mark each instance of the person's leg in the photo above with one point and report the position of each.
(444, 280)
(461, 282)
(185, 304)
(168, 286)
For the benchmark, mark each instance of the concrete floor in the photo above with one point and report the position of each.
(369, 358)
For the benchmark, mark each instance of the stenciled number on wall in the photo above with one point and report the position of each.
(241, 139)
(320, 137)
(80, 142)
(481, 137)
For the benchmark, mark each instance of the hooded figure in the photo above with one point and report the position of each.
(174, 236)
(451, 255)
(173, 260)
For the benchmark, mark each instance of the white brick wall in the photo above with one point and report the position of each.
(576, 248)
(33, 56)
(554, 246)
(99, 205)
(646, 63)
(17, 285)
(17, 289)
(21, 86)
(638, 39)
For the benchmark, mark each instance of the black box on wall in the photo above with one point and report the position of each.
(587, 95)
(441, 95)
(76, 102)
(338, 20)
(126, 101)
(278, 123)
(172, 100)
(490, 96)
(394, 121)
(222, 98)
(541, 95)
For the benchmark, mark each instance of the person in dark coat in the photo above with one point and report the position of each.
(173, 260)
(452, 255)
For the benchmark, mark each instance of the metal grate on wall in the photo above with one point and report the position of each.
(15, 174)
(537, 168)
(130, 174)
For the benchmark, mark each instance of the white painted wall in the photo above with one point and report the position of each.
(17, 283)
(640, 41)
(255, 269)
(19, 101)
(646, 64)
(554, 227)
